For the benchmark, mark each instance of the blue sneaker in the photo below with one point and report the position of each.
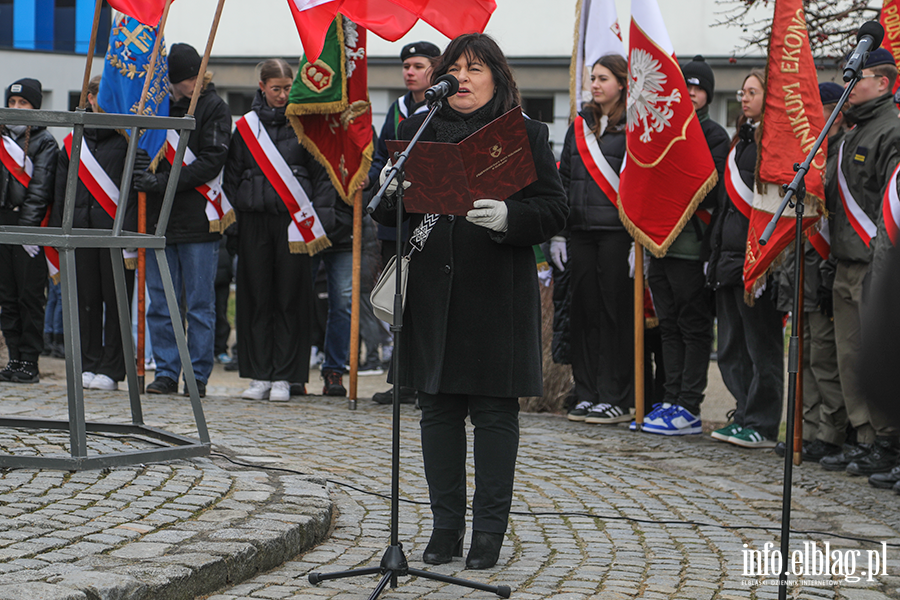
(655, 413)
(675, 421)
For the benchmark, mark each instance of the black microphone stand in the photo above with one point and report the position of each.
(393, 562)
(797, 188)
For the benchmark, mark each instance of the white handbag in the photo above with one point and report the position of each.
(382, 295)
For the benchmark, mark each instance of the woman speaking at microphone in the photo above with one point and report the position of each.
(269, 177)
(471, 328)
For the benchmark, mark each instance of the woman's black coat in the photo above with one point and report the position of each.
(473, 316)
(109, 148)
(729, 237)
(32, 202)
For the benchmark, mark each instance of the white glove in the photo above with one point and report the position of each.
(31, 250)
(492, 214)
(760, 291)
(558, 253)
(392, 187)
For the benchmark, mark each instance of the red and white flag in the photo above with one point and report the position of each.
(668, 169)
(147, 12)
(792, 120)
(597, 33)
(389, 19)
(890, 20)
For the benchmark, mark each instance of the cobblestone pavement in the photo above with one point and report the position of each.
(624, 497)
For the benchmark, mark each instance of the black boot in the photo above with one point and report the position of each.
(48, 344)
(59, 346)
(886, 481)
(485, 550)
(443, 546)
(850, 452)
(881, 459)
(11, 367)
(26, 373)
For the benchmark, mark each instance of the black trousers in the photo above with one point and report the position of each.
(98, 317)
(274, 301)
(443, 425)
(751, 358)
(684, 307)
(224, 275)
(601, 317)
(22, 283)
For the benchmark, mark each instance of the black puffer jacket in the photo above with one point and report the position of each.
(589, 208)
(31, 202)
(109, 148)
(209, 143)
(729, 238)
(249, 190)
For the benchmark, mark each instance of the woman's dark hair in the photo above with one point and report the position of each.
(761, 77)
(618, 66)
(274, 67)
(485, 49)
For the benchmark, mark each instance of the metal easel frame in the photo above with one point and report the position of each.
(66, 239)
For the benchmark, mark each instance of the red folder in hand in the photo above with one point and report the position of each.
(494, 162)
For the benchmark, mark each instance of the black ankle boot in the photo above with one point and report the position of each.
(485, 550)
(48, 344)
(59, 346)
(11, 367)
(443, 546)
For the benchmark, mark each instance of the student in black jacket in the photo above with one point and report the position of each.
(23, 269)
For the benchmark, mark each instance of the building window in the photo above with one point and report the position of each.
(240, 102)
(102, 31)
(6, 23)
(64, 25)
(539, 108)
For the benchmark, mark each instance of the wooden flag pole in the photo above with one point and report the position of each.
(82, 101)
(355, 305)
(142, 215)
(209, 44)
(639, 335)
(798, 395)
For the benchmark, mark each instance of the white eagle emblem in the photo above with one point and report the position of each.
(645, 104)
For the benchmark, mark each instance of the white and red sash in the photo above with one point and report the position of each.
(594, 160)
(891, 208)
(858, 218)
(95, 179)
(51, 254)
(16, 162)
(740, 193)
(100, 186)
(218, 208)
(821, 239)
(305, 233)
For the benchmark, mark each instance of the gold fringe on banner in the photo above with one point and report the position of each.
(659, 250)
(311, 248)
(220, 225)
(131, 263)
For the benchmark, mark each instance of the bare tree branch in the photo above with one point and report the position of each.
(832, 24)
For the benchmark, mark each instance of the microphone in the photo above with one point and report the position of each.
(446, 86)
(868, 38)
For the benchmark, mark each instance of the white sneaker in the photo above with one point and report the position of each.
(149, 364)
(258, 390)
(102, 382)
(280, 392)
(86, 378)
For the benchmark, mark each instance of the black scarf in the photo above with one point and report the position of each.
(268, 115)
(451, 126)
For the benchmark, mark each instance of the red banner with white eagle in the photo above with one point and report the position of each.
(668, 169)
(792, 120)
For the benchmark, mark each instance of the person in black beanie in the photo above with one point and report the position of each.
(192, 238)
(678, 285)
(27, 174)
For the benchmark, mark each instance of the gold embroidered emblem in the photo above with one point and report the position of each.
(317, 76)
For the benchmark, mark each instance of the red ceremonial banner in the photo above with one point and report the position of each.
(669, 169)
(792, 120)
(890, 20)
(148, 12)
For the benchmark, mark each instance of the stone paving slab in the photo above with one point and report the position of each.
(154, 531)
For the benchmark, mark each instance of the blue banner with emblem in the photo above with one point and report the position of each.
(124, 69)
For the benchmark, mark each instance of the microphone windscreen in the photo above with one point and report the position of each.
(874, 29)
(453, 81)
